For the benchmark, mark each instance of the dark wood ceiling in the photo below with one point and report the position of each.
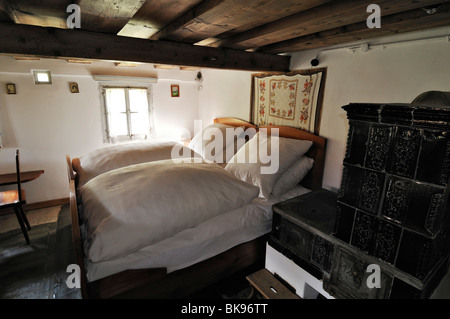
(220, 31)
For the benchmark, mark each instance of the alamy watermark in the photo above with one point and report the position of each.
(373, 280)
(74, 19)
(267, 147)
(374, 19)
(74, 279)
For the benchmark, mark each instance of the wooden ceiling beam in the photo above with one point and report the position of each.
(108, 16)
(391, 25)
(325, 17)
(68, 43)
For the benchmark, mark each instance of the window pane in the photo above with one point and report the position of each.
(138, 100)
(139, 124)
(118, 124)
(116, 104)
(42, 77)
(139, 111)
(115, 100)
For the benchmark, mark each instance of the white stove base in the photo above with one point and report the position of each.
(306, 285)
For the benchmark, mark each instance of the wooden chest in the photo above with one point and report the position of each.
(300, 227)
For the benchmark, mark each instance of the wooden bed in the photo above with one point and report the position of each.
(156, 283)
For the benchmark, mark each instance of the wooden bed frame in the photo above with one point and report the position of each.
(156, 283)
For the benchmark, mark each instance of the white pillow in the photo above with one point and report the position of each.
(255, 164)
(293, 176)
(203, 142)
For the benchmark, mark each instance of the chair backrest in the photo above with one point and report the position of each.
(19, 185)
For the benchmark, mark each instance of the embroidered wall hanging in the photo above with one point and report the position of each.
(292, 99)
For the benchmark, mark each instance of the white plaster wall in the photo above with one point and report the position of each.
(224, 93)
(397, 73)
(46, 122)
(174, 115)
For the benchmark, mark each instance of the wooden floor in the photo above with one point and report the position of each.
(38, 270)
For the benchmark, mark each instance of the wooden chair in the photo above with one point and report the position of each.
(16, 199)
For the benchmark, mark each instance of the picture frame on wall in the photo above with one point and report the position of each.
(10, 88)
(175, 90)
(74, 87)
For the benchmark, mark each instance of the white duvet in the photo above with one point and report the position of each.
(115, 156)
(135, 206)
(198, 243)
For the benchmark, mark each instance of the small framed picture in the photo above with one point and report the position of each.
(175, 90)
(74, 87)
(10, 88)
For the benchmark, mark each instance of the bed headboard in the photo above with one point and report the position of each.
(317, 151)
(234, 122)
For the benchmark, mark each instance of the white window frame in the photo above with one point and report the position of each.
(107, 138)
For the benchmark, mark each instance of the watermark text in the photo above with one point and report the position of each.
(74, 19)
(374, 19)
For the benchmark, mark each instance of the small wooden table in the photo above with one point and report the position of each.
(11, 178)
(269, 286)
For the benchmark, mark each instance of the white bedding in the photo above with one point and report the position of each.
(144, 203)
(115, 156)
(117, 184)
(199, 243)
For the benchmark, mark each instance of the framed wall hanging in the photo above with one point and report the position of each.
(290, 99)
(74, 87)
(10, 88)
(175, 90)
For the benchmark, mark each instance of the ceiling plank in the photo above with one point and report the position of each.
(108, 16)
(267, 11)
(154, 15)
(47, 13)
(75, 43)
(186, 18)
(225, 17)
(391, 25)
(328, 16)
